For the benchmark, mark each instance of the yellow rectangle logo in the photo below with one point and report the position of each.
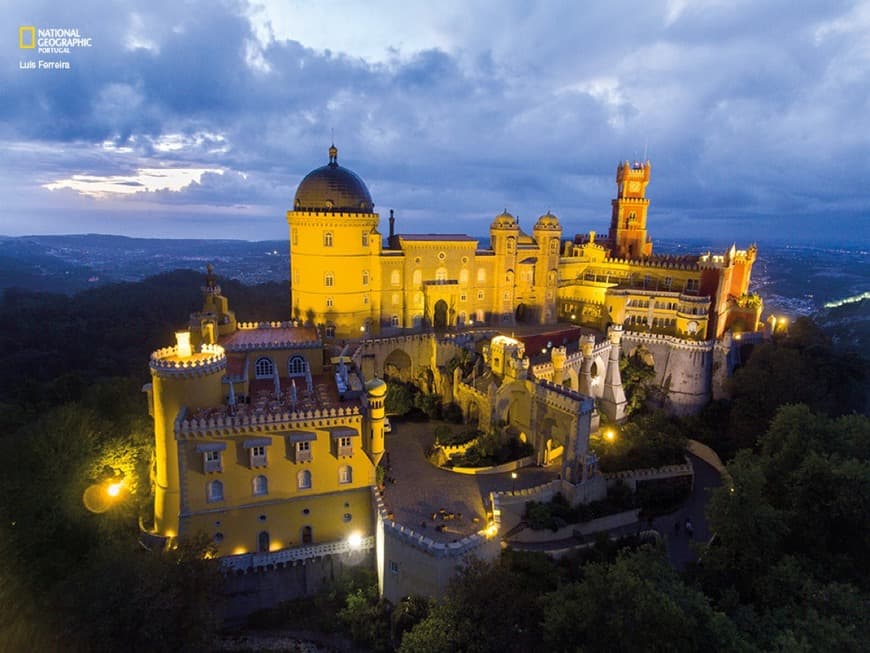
(27, 37)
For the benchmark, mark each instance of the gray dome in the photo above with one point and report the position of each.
(333, 188)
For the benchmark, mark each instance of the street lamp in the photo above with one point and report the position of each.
(513, 482)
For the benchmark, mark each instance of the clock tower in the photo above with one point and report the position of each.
(628, 237)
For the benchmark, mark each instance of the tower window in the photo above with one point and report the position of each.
(260, 485)
(365, 238)
(295, 236)
(329, 304)
(264, 368)
(365, 277)
(327, 239)
(303, 480)
(365, 300)
(345, 474)
(214, 491)
(329, 279)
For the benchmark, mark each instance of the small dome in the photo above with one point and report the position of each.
(333, 188)
(504, 220)
(376, 387)
(548, 221)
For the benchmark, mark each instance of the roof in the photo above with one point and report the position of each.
(437, 237)
(270, 338)
(333, 188)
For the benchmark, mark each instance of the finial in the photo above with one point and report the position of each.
(333, 155)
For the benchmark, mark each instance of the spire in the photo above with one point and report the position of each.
(333, 155)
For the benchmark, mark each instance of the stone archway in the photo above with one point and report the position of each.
(398, 365)
(520, 313)
(440, 318)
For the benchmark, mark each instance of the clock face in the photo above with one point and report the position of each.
(634, 186)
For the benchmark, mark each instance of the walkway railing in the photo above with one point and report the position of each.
(248, 561)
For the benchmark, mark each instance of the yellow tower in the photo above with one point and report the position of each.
(377, 392)
(628, 235)
(181, 377)
(333, 247)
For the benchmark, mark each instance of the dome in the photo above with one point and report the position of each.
(504, 221)
(376, 387)
(548, 221)
(333, 188)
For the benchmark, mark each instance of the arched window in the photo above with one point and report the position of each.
(365, 238)
(394, 320)
(303, 480)
(481, 275)
(214, 491)
(345, 474)
(480, 315)
(554, 245)
(463, 276)
(329, 279)
(418, 278)
(264, 368)
(307, 535)
(365, 277)
(395, 278)
(260, 485)
(510, 244)
(329, 302)
(263, 542)
(441, 274)
(395, 299)
(327, 239)
(296, 366)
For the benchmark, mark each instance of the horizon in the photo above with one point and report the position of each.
(199, 120)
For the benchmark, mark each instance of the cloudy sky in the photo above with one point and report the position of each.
(199, 118)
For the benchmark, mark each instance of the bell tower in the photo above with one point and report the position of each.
(628, 236)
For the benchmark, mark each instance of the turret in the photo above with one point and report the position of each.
(376, 389)
(182, 377)
(613, 400)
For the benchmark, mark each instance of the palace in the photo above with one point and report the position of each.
(268, 435)
(346, 280)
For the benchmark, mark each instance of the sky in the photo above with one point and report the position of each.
(188, 118)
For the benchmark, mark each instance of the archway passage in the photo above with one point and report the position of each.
(440, 320)
(263, 542)
(307, 535)
(398, 365)
(520, 313)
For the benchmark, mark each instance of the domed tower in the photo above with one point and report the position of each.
(181, 377)
(504, 234)
(376, 389)
(333, 239)
(548, 236)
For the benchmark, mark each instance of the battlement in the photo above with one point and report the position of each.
(229, 425)
(170, 362)
(562, 398)
(268, 325)
(671, 341)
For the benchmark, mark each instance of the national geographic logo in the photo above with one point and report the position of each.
(52, 40)
(27, 37)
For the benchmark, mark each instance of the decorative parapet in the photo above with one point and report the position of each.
(540, 493)
(426, 544)
(226, 425)
(167, 362)
(249, 561)
(563, 398)
(248, 326)
(652, 472)
(470, 389)
(453, 449)
(672, 341)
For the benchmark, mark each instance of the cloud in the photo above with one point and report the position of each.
(450, 111)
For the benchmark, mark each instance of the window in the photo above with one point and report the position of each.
(480, 315)
(417, 278)
(481, 275)
(345, 448)
(263, 542)
(329, 279)
(212, 461)
(345, 474)
(647, 280)
(442, 256)
(330, 304)
(395, 299)
(463, 297)
(296, 366)
(214, 491)
(296, 277)
(692, 285)
(327, 239)
(418, 299)
(441, 274)
(295, 236)
(258, 456)
(394, 320)
(365, 277)
(510, 244)
(303, 452)
(554, 246)
(667, 282)
(303, 480)
(365, 300)
(394, 567)
(463, 276)
(479, 295)
(395, 278)
(260, 485)
(330, 328)
(365, 238)
(264, 368)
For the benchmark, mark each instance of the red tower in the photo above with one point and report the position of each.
(628, 237)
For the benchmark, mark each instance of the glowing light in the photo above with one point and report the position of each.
(114, 489)
(354, 541)
(513, 475)
(182, 344)
(610, 435)
(492, 529)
